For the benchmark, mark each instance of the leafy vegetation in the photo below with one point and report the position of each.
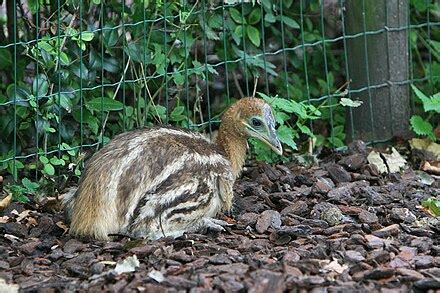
(432, 204)
(77, 76)
(289, 131)
(431, 106)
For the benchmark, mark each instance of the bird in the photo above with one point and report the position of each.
(164, 181)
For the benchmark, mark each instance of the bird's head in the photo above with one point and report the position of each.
(253, 117)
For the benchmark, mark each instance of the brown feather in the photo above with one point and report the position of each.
(161, 181)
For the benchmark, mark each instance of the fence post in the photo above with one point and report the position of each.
(378, 59)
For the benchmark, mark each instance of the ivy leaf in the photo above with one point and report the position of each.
(346, 102)
(286, 135)
(254, 35)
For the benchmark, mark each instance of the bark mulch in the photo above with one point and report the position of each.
(339, 226)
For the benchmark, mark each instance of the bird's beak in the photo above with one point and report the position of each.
(273, 142)
(271, 137)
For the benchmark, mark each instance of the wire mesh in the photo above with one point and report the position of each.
(76, 73)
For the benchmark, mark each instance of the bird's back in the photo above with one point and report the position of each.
(143, 174)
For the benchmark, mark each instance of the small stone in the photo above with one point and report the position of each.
(322, 185)
(220, 259)
(30, 247)
(423, 244)
(27, 266)
(354, 256)
(97, 268)
(248, 219)
(291, 258)
(427, 284)
(424, 261)
(338, 174)
(374, 241)
(268, 218)
(387, 231)
(379, 256)
(357, 147)
(368, 217)
(16, 229)
(409, 274)
(402, 215)
(73, 246)
(398, 262)
(333, 216)
(379, 273)
(181, 256)
(4, 265)
(353, 162)
(55, 254)
(292, 271)
(298, 208)
(295, 231)
(407, 253)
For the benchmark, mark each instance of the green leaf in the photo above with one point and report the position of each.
(254, 35)
(286, 136)
(336, 142)
(346, 102)
(86, 36)
(44, 160)
(270, 18)
(280, 117)
(235, 15)
(45, 46)
(433, 205)
(40, 86)
(5, 58)
(65, 102)
(65, 60)
(429, 104)
(57, 162)
(421, 127)
(49, 169)
(290, 22)
(29, 185)
(177, 114)
(255, 16)
(304, 129)
(111, 35)
(104, 104)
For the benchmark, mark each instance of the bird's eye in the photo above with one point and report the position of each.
(256, 122)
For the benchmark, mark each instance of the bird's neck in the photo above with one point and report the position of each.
(234, 146)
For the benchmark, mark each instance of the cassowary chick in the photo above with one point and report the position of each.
(165, 181)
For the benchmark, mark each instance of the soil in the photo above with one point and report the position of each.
(339, 226)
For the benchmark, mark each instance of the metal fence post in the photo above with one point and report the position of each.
(378, 66)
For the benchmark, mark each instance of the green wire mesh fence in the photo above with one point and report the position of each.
(75, 73)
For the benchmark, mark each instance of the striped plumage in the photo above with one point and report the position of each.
(165, 181)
